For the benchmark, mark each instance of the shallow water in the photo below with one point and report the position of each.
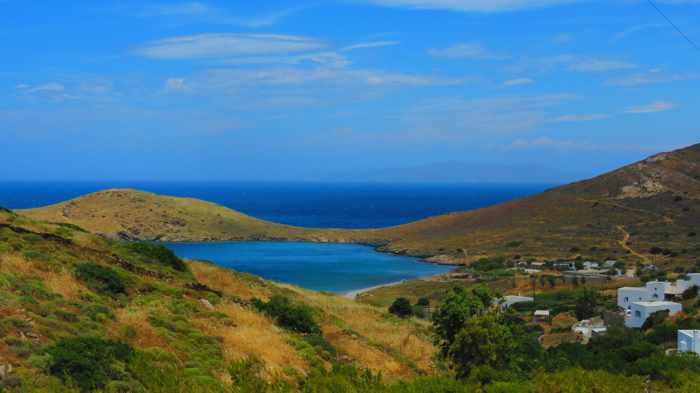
(336, 268)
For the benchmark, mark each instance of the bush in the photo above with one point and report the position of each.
(297, 318)
(690, 293)
(488, 264)
(100, 278)
(401, 308)
(88, 363)
(156, 253)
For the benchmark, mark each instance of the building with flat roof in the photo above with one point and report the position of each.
(641, 311)
(689, 341)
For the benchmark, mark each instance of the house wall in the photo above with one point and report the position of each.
(657, 290)
(627, 296)
(688, 341)
(639, 313)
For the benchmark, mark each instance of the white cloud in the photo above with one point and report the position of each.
(471, 50)
(369, 45)
(175, 84)
(651, 77)
(518, 82)
(471, 5)
(579, 118)
(52, 87)
(199, 11)
(227, 45)
(599, 65)
(636, 29)
(659, 106)
(328, 59)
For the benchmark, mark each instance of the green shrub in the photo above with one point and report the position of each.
(401, 308)
(297, 318)
(488, 264)
(100, 278)
(88, 363)
(155, 253)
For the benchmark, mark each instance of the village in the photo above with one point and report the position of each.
(636, 306)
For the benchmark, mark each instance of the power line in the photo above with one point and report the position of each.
(674, 25)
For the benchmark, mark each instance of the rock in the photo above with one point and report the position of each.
(207, 304)
(5, 371)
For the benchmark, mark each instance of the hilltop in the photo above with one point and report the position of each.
(188, 321)
(644, 212)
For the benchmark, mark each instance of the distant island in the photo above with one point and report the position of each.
(647, 211)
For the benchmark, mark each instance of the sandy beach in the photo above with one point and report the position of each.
(354, 294)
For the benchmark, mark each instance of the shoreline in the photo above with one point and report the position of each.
(352, 295)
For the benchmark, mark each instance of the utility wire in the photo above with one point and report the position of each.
(675, 26)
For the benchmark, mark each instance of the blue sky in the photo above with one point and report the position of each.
(346, 90)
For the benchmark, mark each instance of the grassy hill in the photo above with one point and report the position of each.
(138, 215)
(648, 211)
(645, 212)
(180, 326)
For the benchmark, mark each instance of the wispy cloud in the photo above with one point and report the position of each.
(579, 118)
(369, 45)
(637, 29)
(471, 50)
(518, 82)
(575, 63)
(227, 45)
(651, 77)
(599, 65)
(471, 5)
(659, 106)
(51, 87)
(203, 12)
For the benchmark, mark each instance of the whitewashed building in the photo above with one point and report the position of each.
(640, 311)
(689, 341)
(507, 301)
(628, 295)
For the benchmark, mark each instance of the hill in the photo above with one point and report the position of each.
(138, 215)
(648, 211)
(645, 212)
(67, 297)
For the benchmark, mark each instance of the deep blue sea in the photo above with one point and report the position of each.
(323, 267)
(301, 204)
(327, 267)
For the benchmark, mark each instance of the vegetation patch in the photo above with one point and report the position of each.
(156, 254)
(100, 279)
(293, 317)
(88, 363)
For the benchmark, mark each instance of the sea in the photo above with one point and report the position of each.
(339, 268)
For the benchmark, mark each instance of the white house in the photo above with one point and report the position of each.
(588, 265)
(588, 328)
(541, 316)
(689, 341)
(641, 311)
(628, 295)
(508, 301)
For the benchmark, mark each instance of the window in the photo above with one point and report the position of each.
(637, 314)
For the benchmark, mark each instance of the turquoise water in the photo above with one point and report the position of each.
(322, 267)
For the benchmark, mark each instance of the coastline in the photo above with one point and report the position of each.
(357, 292)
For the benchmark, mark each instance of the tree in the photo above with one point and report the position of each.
(453, 313)
(483, 341)
(655, 319)
(586, 305)
(690, 293)
(401, 308)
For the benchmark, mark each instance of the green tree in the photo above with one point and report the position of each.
(401, 308)
(453, 313)
(483, 341)
(586, 304)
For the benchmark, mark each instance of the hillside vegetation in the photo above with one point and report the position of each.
(646, 212)
(83, 311)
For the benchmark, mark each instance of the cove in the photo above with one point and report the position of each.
(339, 268)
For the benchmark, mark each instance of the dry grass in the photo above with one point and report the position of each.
(57, 282)
(145, 335)
(226, 281)
(405, 337)
(253, 334)
(367, 356)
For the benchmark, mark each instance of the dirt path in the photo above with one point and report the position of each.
(624, 243)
